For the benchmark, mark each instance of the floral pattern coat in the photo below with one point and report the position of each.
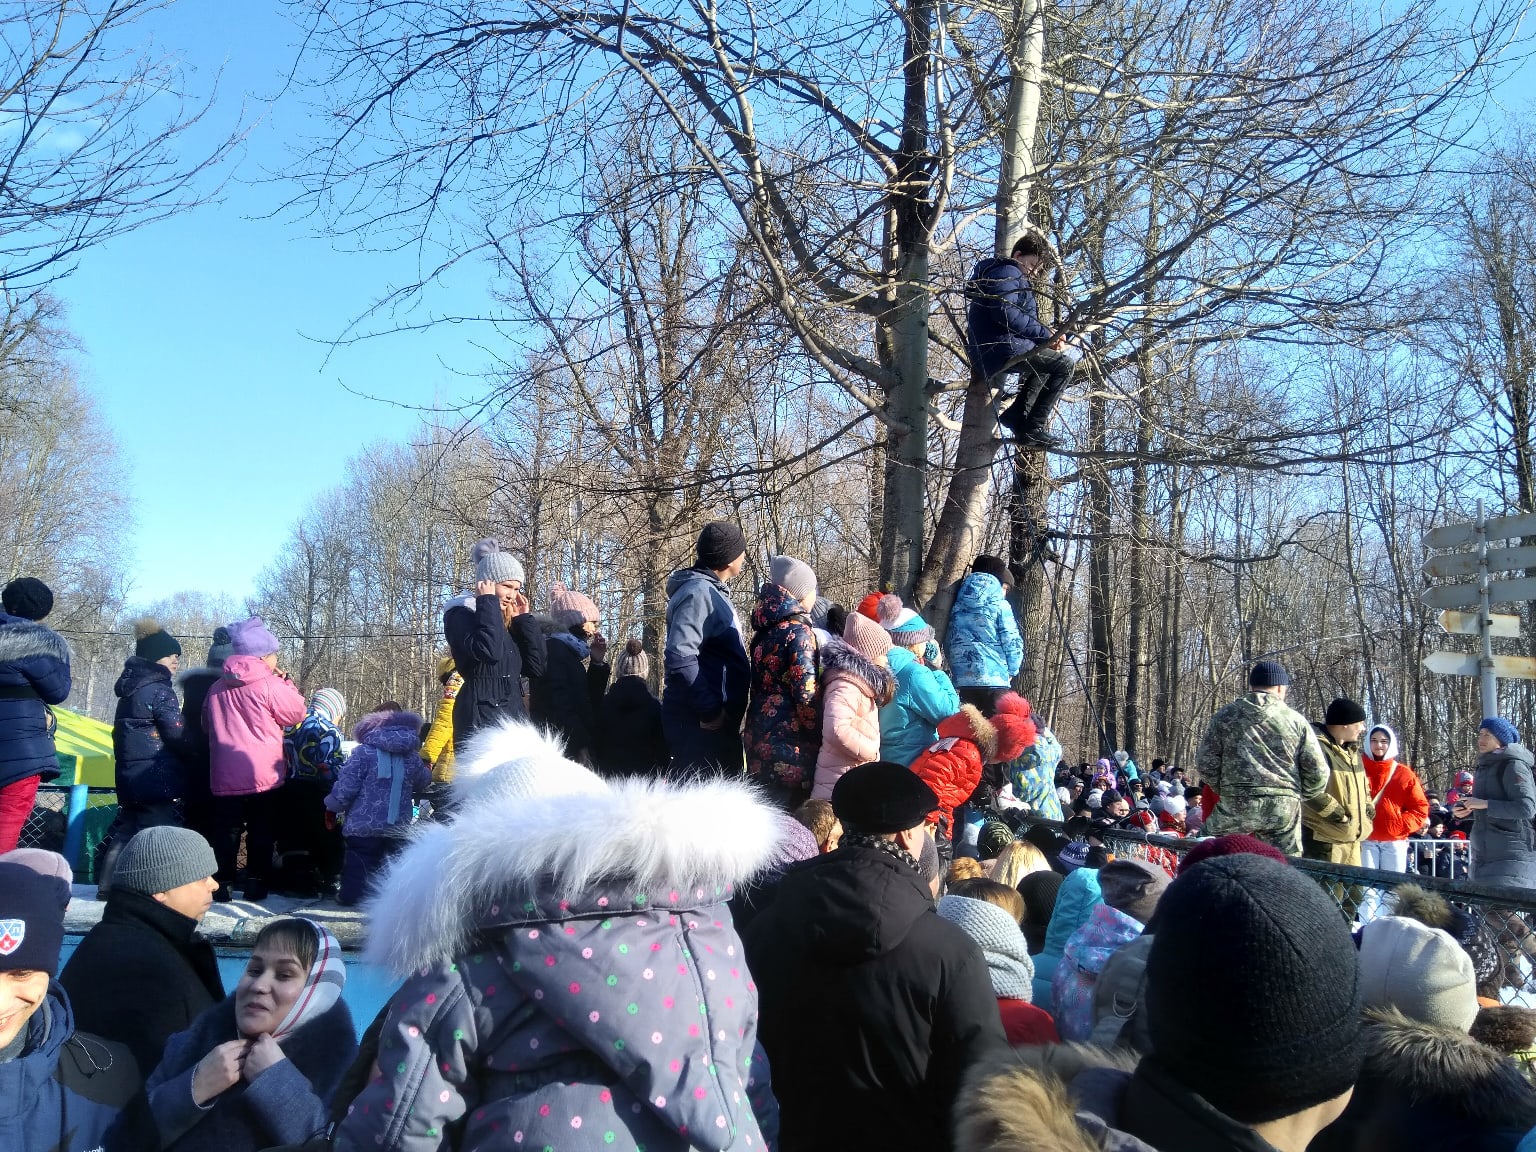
(783, 727)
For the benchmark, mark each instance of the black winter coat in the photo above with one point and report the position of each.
(34, 672)
(567, 698)
(871, 1006)
(194, 749)
(148, 735)
(141, 975)
(630, 737)
(493, 657)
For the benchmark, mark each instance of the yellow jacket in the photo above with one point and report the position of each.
(438, 746)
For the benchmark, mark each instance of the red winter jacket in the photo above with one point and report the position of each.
(1402, 809)
(952, 766)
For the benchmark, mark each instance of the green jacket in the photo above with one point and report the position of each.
(1348, 786)
(1258, 745)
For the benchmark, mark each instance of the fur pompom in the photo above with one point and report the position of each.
(1416, 903)
(145, 626)
(888, 609)
(483, 548)
(1012, 704)
(633, 646)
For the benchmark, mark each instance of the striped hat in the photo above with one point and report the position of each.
(322, 987)
(330, 701)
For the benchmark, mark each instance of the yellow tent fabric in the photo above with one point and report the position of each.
(85, 750)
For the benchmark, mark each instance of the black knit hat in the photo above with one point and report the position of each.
(28, 598)
(719, 544)
(1268, 674)
(1279, 979)
(1344, 711)
(153, 642)
(881, 797)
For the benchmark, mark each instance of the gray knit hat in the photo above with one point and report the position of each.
(794, 576)
(161, 858)
(491, 563)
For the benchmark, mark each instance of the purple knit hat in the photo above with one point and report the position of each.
(252, 638)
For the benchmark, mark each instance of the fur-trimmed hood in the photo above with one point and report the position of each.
(460, 600)
(1020, 1103)
(1448, 1069)
(970, 724)
(839, 658)
(20, 638)
(537, 837)
(398, 732)
(1506, 1028)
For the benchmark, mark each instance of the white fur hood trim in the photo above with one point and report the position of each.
(653, 833)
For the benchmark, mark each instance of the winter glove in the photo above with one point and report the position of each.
(1338, 816)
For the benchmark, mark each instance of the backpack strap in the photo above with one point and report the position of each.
(1385, 784)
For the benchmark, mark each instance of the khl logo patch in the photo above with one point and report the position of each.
(12, 933)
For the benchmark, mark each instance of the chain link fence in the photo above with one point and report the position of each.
(1503, 920)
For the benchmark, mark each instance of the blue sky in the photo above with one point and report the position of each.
(200, 338)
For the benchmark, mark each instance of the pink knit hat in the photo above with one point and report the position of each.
(866, 637)
(571, 608)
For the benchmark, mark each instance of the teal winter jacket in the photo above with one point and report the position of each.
(985, 648)
(924, 696)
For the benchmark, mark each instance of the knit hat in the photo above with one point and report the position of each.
(1095, 797)
(1268, 674)
(905, 627)
(161, 858)
(28, 598)
(1343, 711)
(1133, 887)
(819, 612)
(1039, 890)
(1420, 971)
(34, 891)
(1471, 932)
(1001, 943)
(995, 835)
(1503, 731)
(794, 576)
(331, 702)
(1110, 796)
(251, 638)
(870, 607)
(796, 842)
(993, 566)
(632, 661)
(866, 637)
(152, 642)
(571, 608)
(491, 563)
(928, 863)
(881, 797)
(1235, 844)
(1074, 855)
(221, 649)
(720, 543)
(1275, 961)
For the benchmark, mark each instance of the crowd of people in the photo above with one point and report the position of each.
(835, 888)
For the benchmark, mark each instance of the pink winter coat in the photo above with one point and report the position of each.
(854, 688)
(244, 715)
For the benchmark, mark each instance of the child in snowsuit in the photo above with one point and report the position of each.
(374, 794)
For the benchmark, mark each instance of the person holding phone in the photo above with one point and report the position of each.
(495, 642)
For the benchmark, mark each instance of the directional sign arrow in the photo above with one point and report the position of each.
(1465, 563)
(1466, 624)
(1460, 664)
(1498, 528)
(1466, 595)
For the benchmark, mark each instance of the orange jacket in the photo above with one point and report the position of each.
(1402, 809)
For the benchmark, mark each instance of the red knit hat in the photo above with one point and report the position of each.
(870, 606)
(1235, 844)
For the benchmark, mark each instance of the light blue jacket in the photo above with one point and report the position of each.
(985, 649)
(924, 696)
(1033, 774)
(1078, 896)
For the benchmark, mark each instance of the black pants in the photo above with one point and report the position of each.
(1044, 374)
(700, 751)
(365, 859)
(131, 818)
(256, 816)
(311, 852)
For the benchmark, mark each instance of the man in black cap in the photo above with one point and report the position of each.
(1338, 839)
(1266, 1060)
(1261, 759)
(707, 669)
(872, 1007)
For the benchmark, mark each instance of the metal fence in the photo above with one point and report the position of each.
(49, 820)
(1507, 917)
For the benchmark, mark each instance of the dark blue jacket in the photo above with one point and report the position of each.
(1002, 318)
(493, 657)
(67, 1091)
(706, 660)
(148, 736)
(195, 683)
(286, 1104)
(34, 672)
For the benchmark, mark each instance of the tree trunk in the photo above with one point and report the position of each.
(1101, 659)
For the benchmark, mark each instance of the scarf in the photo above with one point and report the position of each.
(575, 643)
(322, 986)
(880, 844)
(392, 767)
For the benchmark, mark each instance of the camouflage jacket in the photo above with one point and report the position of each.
(1260, 746)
